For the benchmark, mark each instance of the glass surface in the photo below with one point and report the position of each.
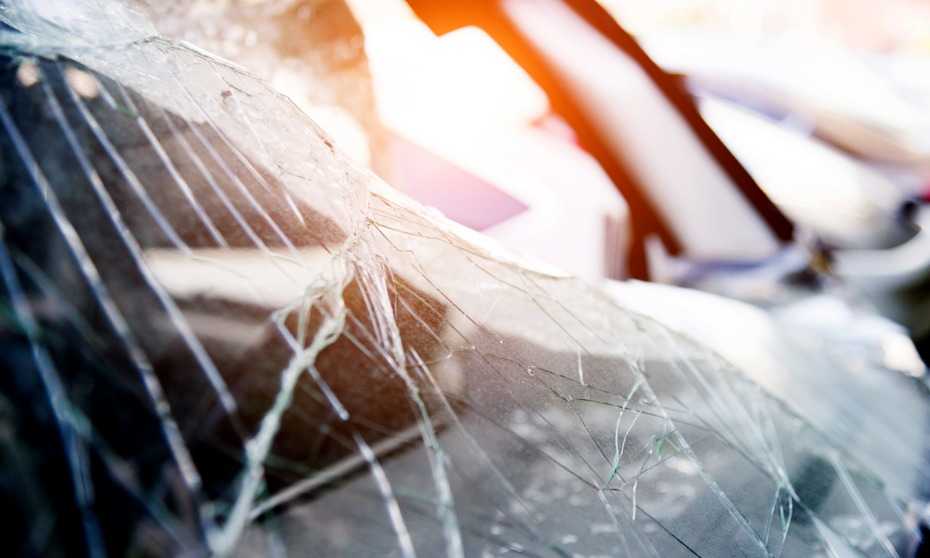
(222, 336)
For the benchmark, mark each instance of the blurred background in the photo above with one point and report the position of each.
(761, 150)
(898, 27)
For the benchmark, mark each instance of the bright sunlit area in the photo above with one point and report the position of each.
(892, 26)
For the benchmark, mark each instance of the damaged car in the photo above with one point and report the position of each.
(222, 335)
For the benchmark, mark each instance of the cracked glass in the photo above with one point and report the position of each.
(222, 336)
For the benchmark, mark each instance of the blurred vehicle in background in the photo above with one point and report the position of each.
(699, 217)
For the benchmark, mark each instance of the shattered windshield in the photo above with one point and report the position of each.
(222, 336)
